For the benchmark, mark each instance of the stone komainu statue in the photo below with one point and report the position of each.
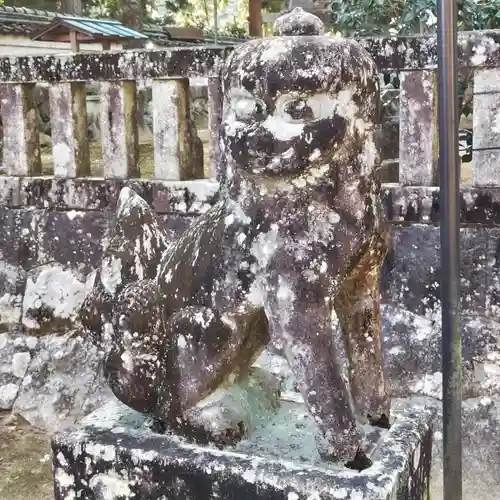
(295, 241)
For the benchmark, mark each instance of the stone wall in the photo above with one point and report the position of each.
(52, 232)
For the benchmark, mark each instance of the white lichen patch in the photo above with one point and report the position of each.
(281, 129)
(63, 479)
(10, 309)
(20, 363)
(429, 385)
(111, 486)
(103, 452)
(264, 246)
(8, 394)
(111, 273)
(56, 289)
(10, 301)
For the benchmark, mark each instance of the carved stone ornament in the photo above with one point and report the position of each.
(293, 248)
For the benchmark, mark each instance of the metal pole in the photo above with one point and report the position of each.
(450, 248)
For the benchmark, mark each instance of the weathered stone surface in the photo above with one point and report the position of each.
(416, 129)
(486, 147)
(21, 148)
(178, 149)
(16, 351)
(70, 145)
(133, 250)
(214, 120)
(421, 204)
(12, 285)
(62, 376)
(70, 194)
(480, 445)
(174, 226)
(166, 197)
(298, 22)
(18, 237)
(72, 239)
(413, 354)
(88, 462)
(401, 204)
(53, 297)
(189, 198)
(278, 366)
(112, 66)
(47, 257)
(144, 95)
(240, 407)
(474, 49)
(413, 363)
(119, 131)
(10, 191)
(411, 274)
(179, 321)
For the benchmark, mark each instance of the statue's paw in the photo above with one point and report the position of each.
(375, 411)
(230, 414)
(132, 379)
(156, 425)
(381, 421)
(360, 462)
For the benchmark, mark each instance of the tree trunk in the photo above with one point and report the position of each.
(132, 16)
(255, 18)
(70, 6)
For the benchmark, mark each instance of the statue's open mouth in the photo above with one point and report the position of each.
(268, 157)
(291, 166)
(285, 164)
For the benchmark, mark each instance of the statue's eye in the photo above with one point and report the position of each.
(248, 109)
(297, 111)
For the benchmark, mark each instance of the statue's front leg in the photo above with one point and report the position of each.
(310, 351)
(357, 305)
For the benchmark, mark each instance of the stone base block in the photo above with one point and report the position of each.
(114, 454)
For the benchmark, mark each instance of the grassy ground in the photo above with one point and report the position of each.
(25, 462)
(146, 158)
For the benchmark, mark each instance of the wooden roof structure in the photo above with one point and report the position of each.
(75, 29)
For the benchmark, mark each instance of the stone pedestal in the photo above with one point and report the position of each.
(114, 454)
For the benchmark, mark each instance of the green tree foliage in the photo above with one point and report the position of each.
(232, 15)
(401, 17)
(369, 17)
(103, 8)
